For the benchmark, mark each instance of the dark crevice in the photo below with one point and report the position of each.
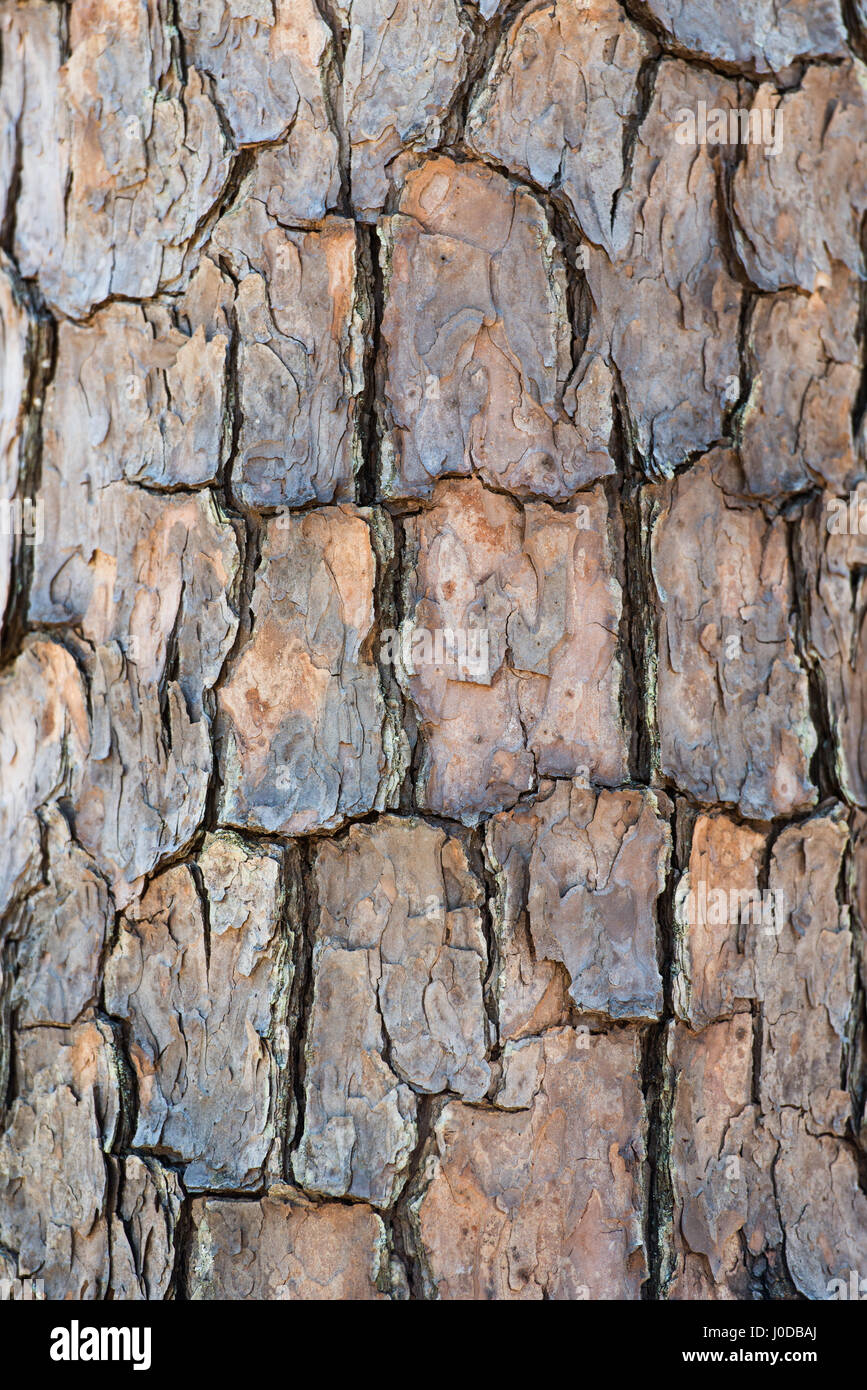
(482, 41)
(638, 621)
(747, 368)
(301, 1002)
(369, 421)
(645, 85)
(41, 363)
(180, 62)
(779, 1281)
(823, 768)
(402, 1224)
(859, 405)
(241, 163)
(657, 1083)
(288, 1017)
(398, 607)
(183, 1238)
(853, 1077)
(249, 539)
(638, 639)
(856, 36)
(333, 96)
(205, 910)
(658, 1086)
(10, 215)
(481, 866)
(121, 1051)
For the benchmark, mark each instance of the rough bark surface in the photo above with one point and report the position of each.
(433, 649)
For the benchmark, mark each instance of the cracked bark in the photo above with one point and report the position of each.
(433, 768)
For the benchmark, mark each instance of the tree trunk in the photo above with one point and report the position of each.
(433, 573)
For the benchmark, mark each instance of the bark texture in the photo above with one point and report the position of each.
(433, 648)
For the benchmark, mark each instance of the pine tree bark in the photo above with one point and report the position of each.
(433, 759)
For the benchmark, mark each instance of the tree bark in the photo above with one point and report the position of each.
(433, 583)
